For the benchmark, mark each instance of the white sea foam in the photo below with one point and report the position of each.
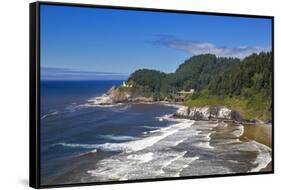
(49, 114)
(76, 145)
(150, 127)
(73, 107)
(117, 138)
(94, 151)
(171, 105)
(174, 167)
(169, 117)
(154, 155)
(208, 136)
(143, 158)
(186, 162)
(223, 124)
(164, 117)
(150, 156)
(141, 165)
(263, 158)
(227, 141)
(155, 131)
(205, 145)
(146, 142)
(235, 146)
(134, 145)
(239, 131)
(85, 153)
(101, 105)
(103, 101)
(170, 161)
(176, 143)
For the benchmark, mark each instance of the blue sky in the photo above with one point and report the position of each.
(89, 43)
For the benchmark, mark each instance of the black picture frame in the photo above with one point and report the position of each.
(34, 92)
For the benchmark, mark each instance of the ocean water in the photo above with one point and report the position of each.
(84, 142)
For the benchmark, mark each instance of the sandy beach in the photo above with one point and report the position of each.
(261, 133)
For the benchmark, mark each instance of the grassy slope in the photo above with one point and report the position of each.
(254, 108)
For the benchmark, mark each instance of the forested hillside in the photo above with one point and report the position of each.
(251, 76)
(195, 73)
(245, 84)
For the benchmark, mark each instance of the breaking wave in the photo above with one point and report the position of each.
(49, 114)
(117, 138)
(134, 145)
(76, 145)
(263, 158)
(178, 150)
(101, 101)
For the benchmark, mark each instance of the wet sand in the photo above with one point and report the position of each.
(261, 133)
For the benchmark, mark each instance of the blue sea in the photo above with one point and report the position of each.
(83, 142)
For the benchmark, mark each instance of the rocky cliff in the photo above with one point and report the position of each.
(211, 113)
(119, 95)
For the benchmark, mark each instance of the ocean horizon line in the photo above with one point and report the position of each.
(79, 80)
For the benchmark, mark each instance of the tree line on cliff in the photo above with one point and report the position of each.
(215, 80)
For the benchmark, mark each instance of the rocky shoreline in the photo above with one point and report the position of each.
(119, 95)
(208, 113)
(212, 113)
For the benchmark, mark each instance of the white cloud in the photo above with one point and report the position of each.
(196, 48)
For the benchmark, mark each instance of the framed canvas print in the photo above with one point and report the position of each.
(121, 94)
